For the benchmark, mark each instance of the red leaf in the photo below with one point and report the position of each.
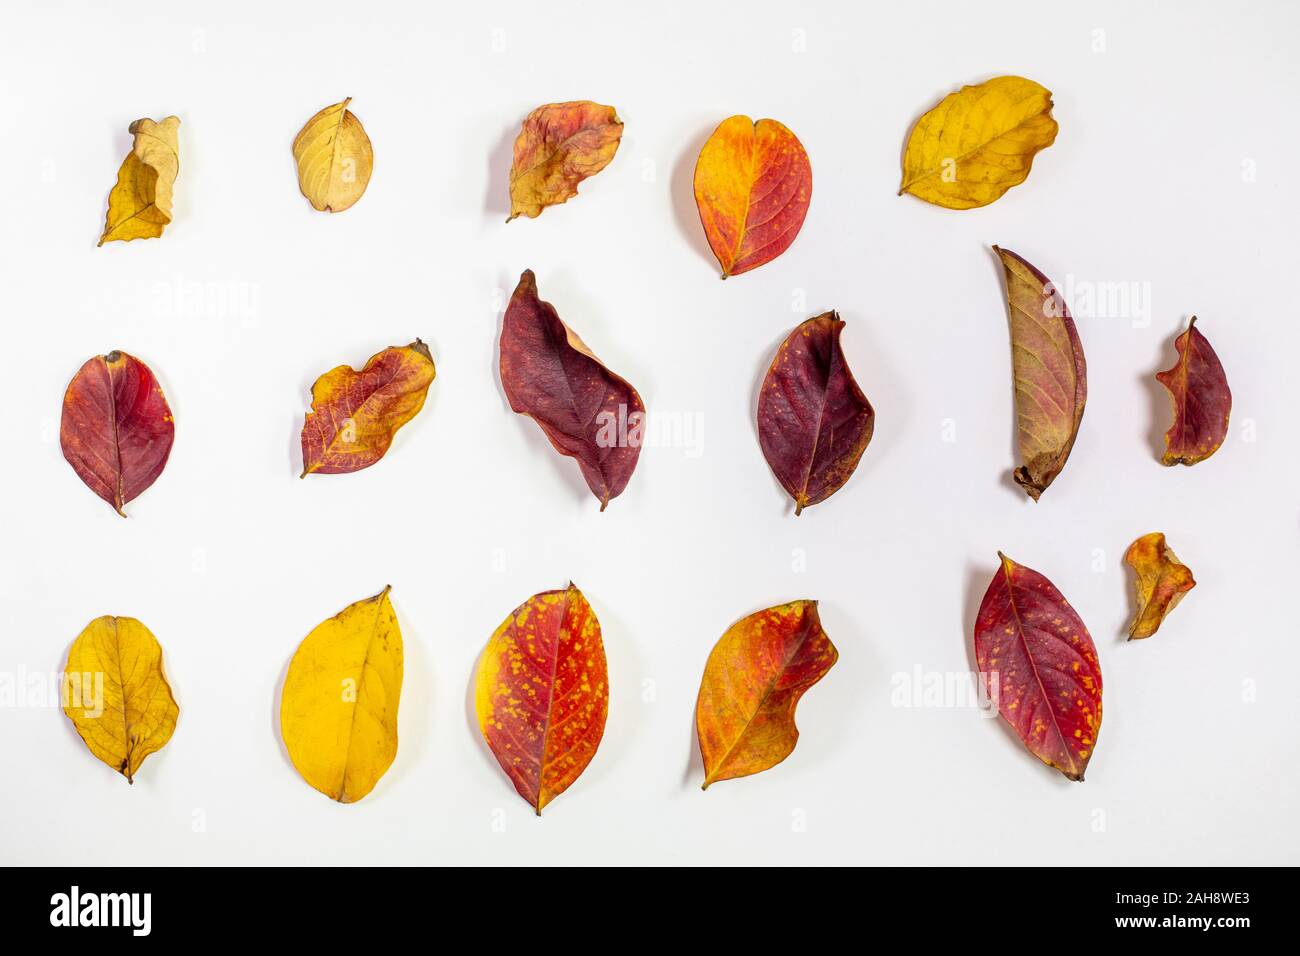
(1040, 667)
(814, 423)
(586, 411)
(117, 429)
(1202, 401)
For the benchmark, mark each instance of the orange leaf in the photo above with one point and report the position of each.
(1162, 580)
(542, 693)
(560, 145)
(753, 680)
(354, 415)
(753, 183)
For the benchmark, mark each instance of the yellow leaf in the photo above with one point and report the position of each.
(334, 158)
(116, 694)
(338, 711)
(978, 142)
(140, 205)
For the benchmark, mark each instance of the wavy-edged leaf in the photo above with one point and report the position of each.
(753, 183)
(1051, 374)
(586, 411)
(334, 158)
(558, 146)
(140, 204)
(1202, 400)
(814, 423)
(541, 693)
(354, 415)
(755, 675)
(116, 694)
(1040, 666)
(978, 142)
(117, 428)
(1161, 582)
(338, 709)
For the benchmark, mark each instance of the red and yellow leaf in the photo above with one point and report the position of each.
(1051, 375)
(1162, 580)
(753, 183)
(1202, 400)
(753, 680)
(586, 411)
(560, 145)
(354, 415)
(1040, 667)
(542, 693)
(117, 429)
(814, 423)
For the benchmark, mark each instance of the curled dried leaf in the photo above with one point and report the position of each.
(116, 693)
(140, 204)
(1202, 401)
(1162, 580)
(560, 145)
(334, 158)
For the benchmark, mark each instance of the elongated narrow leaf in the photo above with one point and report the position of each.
(542, 693)
(978, 142)
(1040, 666)
(334, 158)
(1051, 375)
(116, 693)
(586, 411)
(140, 205)
(814, 423)
(1202, 400)
(755, 675)
(338, 710)
(1162, 580)
(753, 183)
(117, 429)
(354, 415)
(560, 145)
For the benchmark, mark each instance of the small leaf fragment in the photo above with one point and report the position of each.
(814, 423)
(338, 708)
(558, 146)
(753, 184)
(978, 142)
(541, 693)
(1161, 582)
(116, 694)
(754, 678)
(334, 158)
(354, 415)
(1040, 667)
(587, 412)
(140, 204)
(1051, 374)
(1202, 401)
(117, 428)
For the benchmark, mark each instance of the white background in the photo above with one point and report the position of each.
(1175, 169)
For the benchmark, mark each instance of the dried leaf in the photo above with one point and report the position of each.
(755, 675)
(588, 413)
(558, 146)
(338, 709)
(753, 183)
(542, 693)
(814, 423)
(1202, 401)
(978, 142)
(140, 204)
(117, 429)
(1051, 375)
(334, 158)
(116, 694)
(354, 415)
(1040, 667)
(1162, 580)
